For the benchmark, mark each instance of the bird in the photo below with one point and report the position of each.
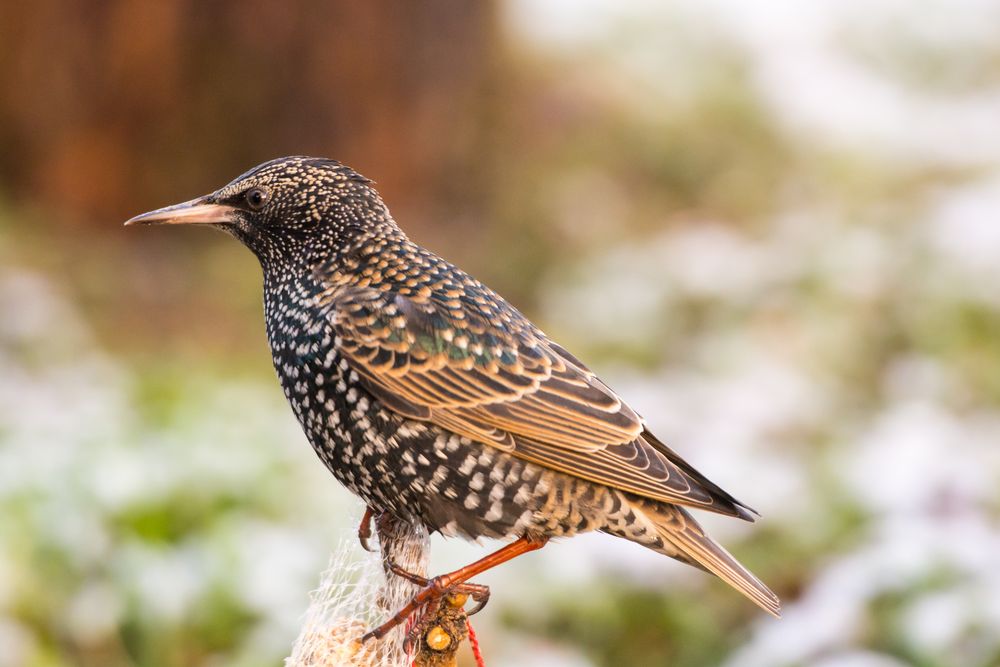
(434, 400)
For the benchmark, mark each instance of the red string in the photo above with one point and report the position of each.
(474, 643)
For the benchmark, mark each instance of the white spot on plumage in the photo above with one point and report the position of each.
(523, 495)
(495, 513)
(477, 482)
(467, 465)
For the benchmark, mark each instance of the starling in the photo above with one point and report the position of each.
(433, 399)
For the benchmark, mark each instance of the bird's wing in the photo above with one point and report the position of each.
(470, 363)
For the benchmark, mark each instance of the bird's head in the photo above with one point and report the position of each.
(291, 210)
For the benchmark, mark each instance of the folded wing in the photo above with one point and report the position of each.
(460, 357)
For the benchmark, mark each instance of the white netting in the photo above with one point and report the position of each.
(354, 595)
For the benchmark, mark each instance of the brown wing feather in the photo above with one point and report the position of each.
(501, 382)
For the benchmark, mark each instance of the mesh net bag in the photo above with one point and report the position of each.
(354, 595)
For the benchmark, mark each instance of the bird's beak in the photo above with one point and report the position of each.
(201, 211)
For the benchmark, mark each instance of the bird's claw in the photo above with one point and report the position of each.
(434, 590)
(365, 529)
(479, 593)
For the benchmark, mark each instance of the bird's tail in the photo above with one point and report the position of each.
(680, 537)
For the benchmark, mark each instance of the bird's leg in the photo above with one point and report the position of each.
(365, 529)
(478, 592)
(437, 587)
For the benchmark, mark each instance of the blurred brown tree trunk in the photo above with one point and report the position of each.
(108, 108)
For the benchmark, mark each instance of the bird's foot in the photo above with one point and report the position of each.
(454, 582)
(456, 595)
(365, 528)
(428, 601)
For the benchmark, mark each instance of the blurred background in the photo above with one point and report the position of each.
(773, 227)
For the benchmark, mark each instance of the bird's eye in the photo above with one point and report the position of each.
(256, 198)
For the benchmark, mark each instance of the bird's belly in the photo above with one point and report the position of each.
(340, 421)
(423, 473)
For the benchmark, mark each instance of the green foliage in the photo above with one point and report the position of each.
(628, 624)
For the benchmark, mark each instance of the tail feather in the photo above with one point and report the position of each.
(683, 538)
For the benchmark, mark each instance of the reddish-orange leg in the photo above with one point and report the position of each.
(365, 529)
(437, 587)
(478, 592)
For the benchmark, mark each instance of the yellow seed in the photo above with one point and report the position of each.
(437, 639)
(457, 600)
